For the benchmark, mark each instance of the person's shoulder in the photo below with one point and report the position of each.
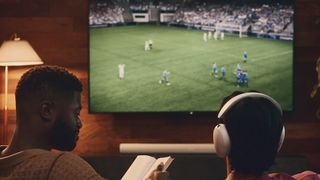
(277, 176)
(31, 163)
(71, 159)
(307, 175)
(37, 157)
(71, 166)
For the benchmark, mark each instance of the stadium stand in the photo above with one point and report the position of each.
(265, 18)
(139, 7)
(105, 13)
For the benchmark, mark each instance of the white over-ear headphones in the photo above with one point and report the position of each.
(221, 137)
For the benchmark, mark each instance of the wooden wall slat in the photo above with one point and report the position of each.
(307, 39)
(307, 55)
(307, 23)
(307, 8)
(41, 40)
(69, 8)
(24, 8)
(37, 24)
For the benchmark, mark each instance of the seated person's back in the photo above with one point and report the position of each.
(249, 134)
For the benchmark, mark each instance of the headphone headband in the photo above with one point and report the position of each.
(239, 97)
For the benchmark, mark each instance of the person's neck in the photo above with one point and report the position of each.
(23, 141)
(241, 176)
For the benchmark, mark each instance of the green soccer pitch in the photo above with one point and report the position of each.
(189, 60)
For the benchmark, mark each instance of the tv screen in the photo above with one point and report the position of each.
(185, 56)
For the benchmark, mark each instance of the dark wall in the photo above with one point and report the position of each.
(58, 31)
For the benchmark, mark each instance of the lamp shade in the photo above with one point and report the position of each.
(18, 53)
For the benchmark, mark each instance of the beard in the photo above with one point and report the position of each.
(63, 136)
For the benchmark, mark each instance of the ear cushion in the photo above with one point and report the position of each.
(221, 140)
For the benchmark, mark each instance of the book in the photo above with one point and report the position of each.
(144, 165)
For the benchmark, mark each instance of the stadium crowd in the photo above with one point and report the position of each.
(273, 18)
(144, 7)
(105, 13)
(139, 7)
(264, 18)
(168, 7)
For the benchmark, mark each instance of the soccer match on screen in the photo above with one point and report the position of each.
(186, 55)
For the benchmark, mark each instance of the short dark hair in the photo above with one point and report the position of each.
(254, 126)
(40, 81)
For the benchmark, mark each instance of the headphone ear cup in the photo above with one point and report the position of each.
(283, 133)
(221, 140)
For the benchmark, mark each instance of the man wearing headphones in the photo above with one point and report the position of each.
(249, 134)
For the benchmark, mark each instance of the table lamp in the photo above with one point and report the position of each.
(15, 52)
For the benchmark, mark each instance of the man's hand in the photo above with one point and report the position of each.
(159, 174)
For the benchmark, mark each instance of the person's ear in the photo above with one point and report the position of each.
(47, 111)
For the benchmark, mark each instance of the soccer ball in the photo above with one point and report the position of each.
(168, 84)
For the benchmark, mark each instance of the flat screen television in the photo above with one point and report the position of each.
(185, 56)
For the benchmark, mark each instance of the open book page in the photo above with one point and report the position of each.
(139, 168)
(165, 160)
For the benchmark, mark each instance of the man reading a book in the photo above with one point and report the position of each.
(48, 104)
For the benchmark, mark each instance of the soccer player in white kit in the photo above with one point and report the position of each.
(146, 46)
(205, 37)
(215, 35)
(121, 71)
(209, 35)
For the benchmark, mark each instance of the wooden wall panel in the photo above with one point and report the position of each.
(24, 8)
(58, 30)
(307, 39)
(42, 24)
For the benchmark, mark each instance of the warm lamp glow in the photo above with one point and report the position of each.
(18, 53)
(15, 52)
